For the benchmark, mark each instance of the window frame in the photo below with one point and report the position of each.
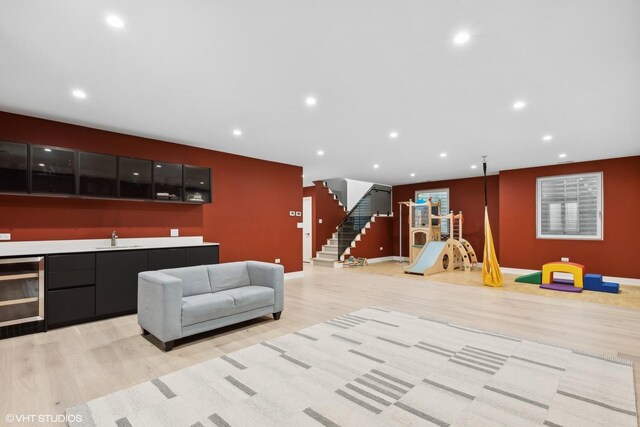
(599, 201)
(438, 190)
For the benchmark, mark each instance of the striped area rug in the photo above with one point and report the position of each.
(376, 367)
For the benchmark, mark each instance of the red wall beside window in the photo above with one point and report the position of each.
(466, 195)
(616, 255)
(249, 215)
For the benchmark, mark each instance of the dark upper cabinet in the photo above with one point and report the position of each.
(53, 170)
(197, 184)
(134, 177)
(43, 170)
(167, 181)
(13, 167)
(97, 175)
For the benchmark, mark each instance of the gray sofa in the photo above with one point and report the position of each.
(179, 302)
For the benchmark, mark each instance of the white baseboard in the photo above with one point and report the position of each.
(293, 275)
(403, 259)
(380, 259)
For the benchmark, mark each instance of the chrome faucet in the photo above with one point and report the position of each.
(114, 236)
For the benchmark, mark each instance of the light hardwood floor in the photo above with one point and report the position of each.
(46, 373)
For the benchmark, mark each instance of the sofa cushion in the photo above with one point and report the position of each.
(228, 275)
(203, 307)
(195, 280)
(250, 297)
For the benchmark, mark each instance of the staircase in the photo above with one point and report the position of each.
(375, 202)
(329, 256)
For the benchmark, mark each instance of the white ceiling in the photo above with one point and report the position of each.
(192, 71)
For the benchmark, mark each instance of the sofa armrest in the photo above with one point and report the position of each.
(160, 305)
(267, 274)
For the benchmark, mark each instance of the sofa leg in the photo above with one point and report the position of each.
(167, 346)
(144, 331)
(277, 315)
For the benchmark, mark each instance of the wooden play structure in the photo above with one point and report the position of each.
(429, 250)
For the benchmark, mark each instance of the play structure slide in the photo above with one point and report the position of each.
(427, 257)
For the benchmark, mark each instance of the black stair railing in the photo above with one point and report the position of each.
(376, 201)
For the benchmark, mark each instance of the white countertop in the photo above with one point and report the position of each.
(44, 247)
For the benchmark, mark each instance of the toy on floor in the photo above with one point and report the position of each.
(589, 282)
(355, 262)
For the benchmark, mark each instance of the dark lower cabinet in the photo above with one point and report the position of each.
(68, 306)
(166, 258)
(86, 286)
(117, 281)
(201, 255)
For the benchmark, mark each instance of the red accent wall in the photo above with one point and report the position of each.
(379, 235)
(466, 195)
(248, 217)
(613, 256)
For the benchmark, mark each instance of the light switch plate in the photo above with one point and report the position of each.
(298, 213)
(564, 259)
(175, 232)
(320, 221)
(292, 213)
(5, 236)
(277, 260)
(300, 225)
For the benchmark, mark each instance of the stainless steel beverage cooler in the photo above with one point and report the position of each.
(21, 296)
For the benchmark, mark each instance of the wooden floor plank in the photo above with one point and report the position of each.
(46, 373)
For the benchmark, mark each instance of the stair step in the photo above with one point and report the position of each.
(327, 255)
(319, 262)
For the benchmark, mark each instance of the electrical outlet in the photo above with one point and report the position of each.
(277, 260)
(5, 236)
(564, 259)
(320, 221)
(175, 232)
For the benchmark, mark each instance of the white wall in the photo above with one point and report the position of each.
(355, 191)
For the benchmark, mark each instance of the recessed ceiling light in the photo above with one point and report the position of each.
(547, 137)
(412, 174)
(310, 101)
(474, 166)
(114, 21)
(303, 175)
(443, 155)
(136, 173)
(376, 166)
(393, 135)
(562, 155)
(48, 150)
(462, 38)
(201, 182)
(320, 153)
(79, 93)
(237, 132)
(41, 165)
(519, 105)
(158, 166)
